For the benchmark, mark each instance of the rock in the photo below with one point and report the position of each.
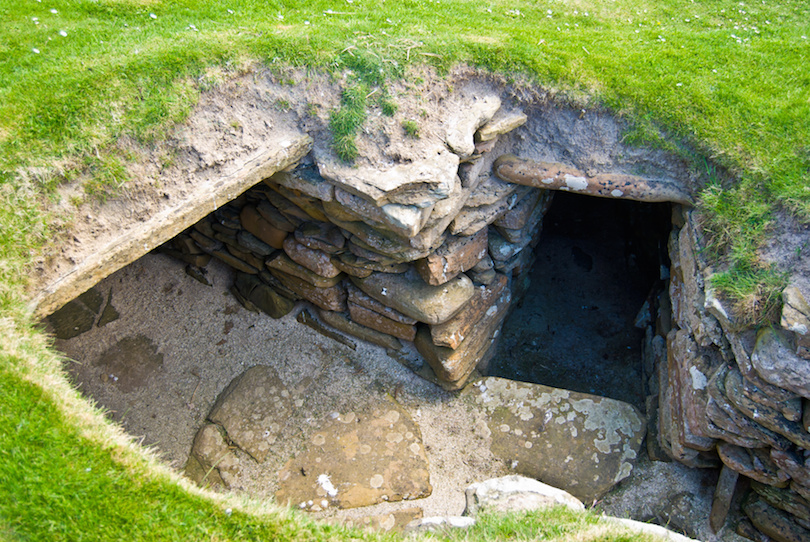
(411, 296)
(692, 367)
(252, 410)
(490, 190)
(281, 262)
(205, 242)
(774, 522)
(331, 298)
(453, 366)
(361, 250)
(317, 261)
(455, 256)
(784, 499)
(472, 219)
(233, 261)
(72, 320)
(357, 266)
(304, 317)
(358, 297)
(765, 416)
(722, 427)
(246, 257)
(320, 236)
(196, 260)
(756, 465)
(723, 493)
(403, 220)
(212, 462)
(378, 322)
(793, 465)
(514, 494)
(295, 207)
(251, 243)
(790, 409)
(452, 332)
(776, 362)
(747, 530)
(795, 311)
(253, 222)
(307, 181)
(500, 249)
(518, 216)
(263, 296)
(463, 123)
(130, 362)
(371, 454)
(607, 185)
(537, 429)
(502, 123)
(648, 529)
(274, 217)
(420, 182)
(341, 322)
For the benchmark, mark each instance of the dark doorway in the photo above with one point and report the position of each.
(596, 263)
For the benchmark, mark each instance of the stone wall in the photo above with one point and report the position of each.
(731, 396)
(426, 256)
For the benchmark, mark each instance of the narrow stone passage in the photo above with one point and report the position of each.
(597, 261)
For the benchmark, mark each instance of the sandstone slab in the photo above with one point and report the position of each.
(504, 121)
(263, 296)
(331, 298)
(774, 522)
(371, 454)
(320, 236)
(307, 181)
(283, 263)
(212, 462)
(253, 410)
(411, 296)
(317, 261)
(777, 363)
(463, 123)
(383, 324)
(456, 255)
(130, 362)
(343, 323)
(578, 442)
(516, 493)
(453, 332)
(420, 182)
(359, 297)
(253, 222)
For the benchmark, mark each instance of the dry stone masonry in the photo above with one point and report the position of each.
(424, 252)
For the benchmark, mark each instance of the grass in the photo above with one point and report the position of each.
(719, 80)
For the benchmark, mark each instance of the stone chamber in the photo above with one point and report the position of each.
(517, 290)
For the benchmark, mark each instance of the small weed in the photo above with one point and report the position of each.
(312, 109)
(107, 175)
(235, 124)
(283, 105)
(755, 293)
(388, 106)
(347, 120)
(411, 128)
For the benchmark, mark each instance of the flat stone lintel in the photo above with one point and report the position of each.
(553, 176)
(168, 223)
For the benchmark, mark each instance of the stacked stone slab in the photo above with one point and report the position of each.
(429, 252)
(732, 397)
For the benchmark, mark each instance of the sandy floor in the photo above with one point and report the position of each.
(206, 339)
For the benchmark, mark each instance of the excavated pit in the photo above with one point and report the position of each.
(165, 342)
(596, 263)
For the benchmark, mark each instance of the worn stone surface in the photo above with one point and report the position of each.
(691, 367)
(253, 222)
(411, 296)
(246, 257)
(439, 524)
(420, 182)
(765, 416)
(317, 261)
(383, 324)
(473, 112)
(307, 181)
(233, 261)
(784, 499)
(490, 190)
(452, 332)
(359, 297)
(283, 263)
(747, 530)
(500, 249)
(456, 255)
(320, 236)
(793, 464)
(753, 463)
(470, 220)
(518, 216)
(723, 493)
(294, 207)
(371, 454)
(776, 362)
(274, 217)
(263, 296)
(73, 319)
(790, 409)
(252, 410)
(453, 366)
(536, 429)
(774, 522)
(553, 176)
(516, 493)
(502, 122)
(341, 322)
(250, 242)
(331, 298)
(130, 362)
(212, 462)
(357, 266)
